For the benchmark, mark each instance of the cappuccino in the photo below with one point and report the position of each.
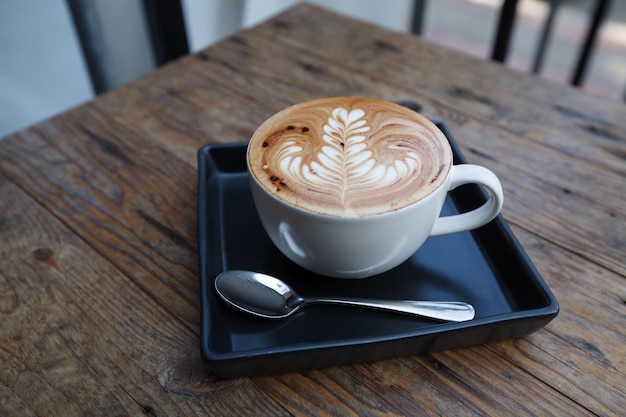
(349, 156)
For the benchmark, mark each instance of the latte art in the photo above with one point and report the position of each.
(349, 156)
(345, 166)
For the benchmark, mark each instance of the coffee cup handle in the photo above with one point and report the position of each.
(471, 174)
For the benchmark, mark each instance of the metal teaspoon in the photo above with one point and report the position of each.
(268, 297)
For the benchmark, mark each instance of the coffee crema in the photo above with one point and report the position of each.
(349, 156)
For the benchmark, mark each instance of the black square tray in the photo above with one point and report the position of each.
(486, 267)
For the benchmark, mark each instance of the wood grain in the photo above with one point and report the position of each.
(99, 304)
(130, 200)
(78, 337)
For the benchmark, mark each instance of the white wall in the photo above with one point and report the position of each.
(41, 69)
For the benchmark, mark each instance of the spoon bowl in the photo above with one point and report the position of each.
(268, 297)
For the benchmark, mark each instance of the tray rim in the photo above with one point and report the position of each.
(239, 363)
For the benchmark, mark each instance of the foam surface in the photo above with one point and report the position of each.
(349, 156)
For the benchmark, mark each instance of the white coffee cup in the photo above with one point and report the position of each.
(360, 242)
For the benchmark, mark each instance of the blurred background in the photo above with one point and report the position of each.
(43, 70)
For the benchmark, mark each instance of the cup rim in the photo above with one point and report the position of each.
(445, 173)
(351, 217)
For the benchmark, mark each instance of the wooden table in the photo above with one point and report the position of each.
(99, 292)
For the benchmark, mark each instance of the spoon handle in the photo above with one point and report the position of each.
(439, 310)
